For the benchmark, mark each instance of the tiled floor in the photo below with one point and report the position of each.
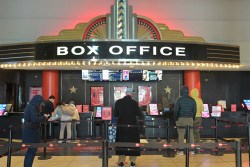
(198, 160)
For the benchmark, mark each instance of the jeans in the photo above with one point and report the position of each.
(74, 130)
(29, 157)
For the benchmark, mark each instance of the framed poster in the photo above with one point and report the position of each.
(107, 113)
(119, 92)
(35, 91)
(85, 108)
(153, 109)
(97, 95)
(144, 95)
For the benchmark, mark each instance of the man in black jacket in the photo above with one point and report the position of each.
(127, 111)
(184, 114)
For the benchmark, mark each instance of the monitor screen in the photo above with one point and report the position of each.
(216, 111)
(115, 75)
(98, 112)
(95, 75)
(152, 75)
(153, 109)
(247, 104)
(85, 75)
(2, 109)
(135, 75)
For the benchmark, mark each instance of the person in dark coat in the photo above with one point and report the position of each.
(184, 114)
(127, 111)
(48, 107)
(31, 131)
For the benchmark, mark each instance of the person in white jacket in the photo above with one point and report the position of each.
(68, 111)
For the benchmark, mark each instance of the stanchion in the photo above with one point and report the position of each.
(9, 147)
(188, 141)
(105, 153)
(169, 152)
(217, 152)
(105, 138)
(45, 156)
(238, 158)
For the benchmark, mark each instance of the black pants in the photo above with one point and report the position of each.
(29, 157)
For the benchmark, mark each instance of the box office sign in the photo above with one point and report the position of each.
(126, 50)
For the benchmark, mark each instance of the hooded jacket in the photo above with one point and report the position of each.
(185, 105)
(31, 115)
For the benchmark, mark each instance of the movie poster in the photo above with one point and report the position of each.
(144, 95)
(97, 95)
(119, 92)
(35, 91)
(107, 113)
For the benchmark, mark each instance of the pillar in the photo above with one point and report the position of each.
(192, 80)
(50, 84)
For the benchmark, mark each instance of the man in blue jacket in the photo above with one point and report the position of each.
(31, 132)
(184, 114)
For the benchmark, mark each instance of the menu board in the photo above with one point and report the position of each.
(152, 75)
(115, 75)
(135, 75)
(95, 75)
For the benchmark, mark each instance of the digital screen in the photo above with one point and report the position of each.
(95, 75)
(105, 75)
(247, 104)
(152, 75)
(125, 75)
(98, 112)
(135, 75)
(2, 109)
(85, 74)
(115, 75)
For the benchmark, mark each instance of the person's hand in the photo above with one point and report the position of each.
(46, 115)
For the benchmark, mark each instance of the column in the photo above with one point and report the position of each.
(50, 84)
(192, 80)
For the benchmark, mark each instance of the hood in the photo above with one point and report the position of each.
(194, 93)
(37, 100)
(184, 90)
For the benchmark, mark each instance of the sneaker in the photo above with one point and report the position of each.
(132, 164)
(68, 141)
(180, 153)
(60, 141)
(192, 152)
(121, 164)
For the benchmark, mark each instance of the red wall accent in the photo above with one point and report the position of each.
(50, 84)
(192, 80)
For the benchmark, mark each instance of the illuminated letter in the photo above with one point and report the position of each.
(130, 49)
(73, 50)
(166, 54)
(93, 49)
(120, 50)
(180, 51)
(62, 50)
(144, 49)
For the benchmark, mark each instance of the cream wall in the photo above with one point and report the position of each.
(217, 21)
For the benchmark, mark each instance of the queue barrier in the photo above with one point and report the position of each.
(106, 146)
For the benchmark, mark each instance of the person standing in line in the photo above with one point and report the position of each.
(127, 111)
(198, 119)
(184, 114)
(68, 112)
(75, 119)
(49, 105)
(31, 132)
